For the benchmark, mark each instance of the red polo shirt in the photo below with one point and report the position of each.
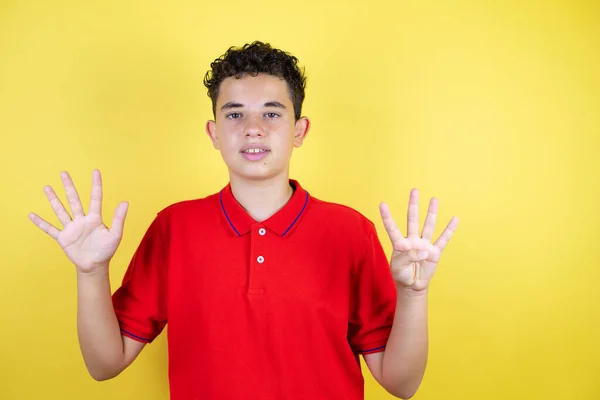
(279, 309)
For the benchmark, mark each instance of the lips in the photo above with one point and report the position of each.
(255, 154)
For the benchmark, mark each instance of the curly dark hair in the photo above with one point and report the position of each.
(252, 59)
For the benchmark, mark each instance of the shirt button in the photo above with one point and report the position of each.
(260, 259)
(262, 231)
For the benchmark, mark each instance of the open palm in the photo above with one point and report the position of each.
(414, 258)
(85, 239)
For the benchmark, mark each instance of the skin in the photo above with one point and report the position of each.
(251, 112)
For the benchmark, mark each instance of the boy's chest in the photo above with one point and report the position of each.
(292, 271)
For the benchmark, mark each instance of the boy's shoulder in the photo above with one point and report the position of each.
(341, 214)
(185, 207)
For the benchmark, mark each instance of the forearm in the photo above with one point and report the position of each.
(98, 330)
(405, 356)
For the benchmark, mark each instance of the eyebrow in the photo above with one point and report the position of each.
(274, 104)
(231, 104)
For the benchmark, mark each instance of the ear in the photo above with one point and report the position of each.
(301, 130)
(211, 131)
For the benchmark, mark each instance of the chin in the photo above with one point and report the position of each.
(257, 174)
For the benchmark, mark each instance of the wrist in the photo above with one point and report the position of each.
(99, 271)
(407, 292)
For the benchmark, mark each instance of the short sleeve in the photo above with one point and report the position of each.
(373, 301)
(140, 302)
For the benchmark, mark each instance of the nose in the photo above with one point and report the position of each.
(253, 127)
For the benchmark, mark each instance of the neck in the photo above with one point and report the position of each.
(261, 198)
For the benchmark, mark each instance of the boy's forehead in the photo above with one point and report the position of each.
(253, 89)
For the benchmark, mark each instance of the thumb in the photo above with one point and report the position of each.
(414, 255)
(419, 255)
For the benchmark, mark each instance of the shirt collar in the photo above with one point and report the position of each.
(282, 222)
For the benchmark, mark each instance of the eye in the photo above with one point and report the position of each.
(233, 115)
(272, 115)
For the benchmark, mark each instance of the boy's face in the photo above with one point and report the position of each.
(254, 127)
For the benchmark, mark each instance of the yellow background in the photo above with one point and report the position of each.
(491, 106)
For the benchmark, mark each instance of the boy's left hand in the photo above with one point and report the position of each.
(414, 257)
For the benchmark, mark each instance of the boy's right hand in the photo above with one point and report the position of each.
(85, 239)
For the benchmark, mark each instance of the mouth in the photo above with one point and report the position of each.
(255, 151)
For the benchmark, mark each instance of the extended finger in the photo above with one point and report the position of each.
(413, 213)
(72, 195)
(96, 199)
(118, 221)
(445, 237)
(57, 206)
(398, 240)
(44, 225)
(429, 225)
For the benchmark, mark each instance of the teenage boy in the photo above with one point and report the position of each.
(269, 292)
